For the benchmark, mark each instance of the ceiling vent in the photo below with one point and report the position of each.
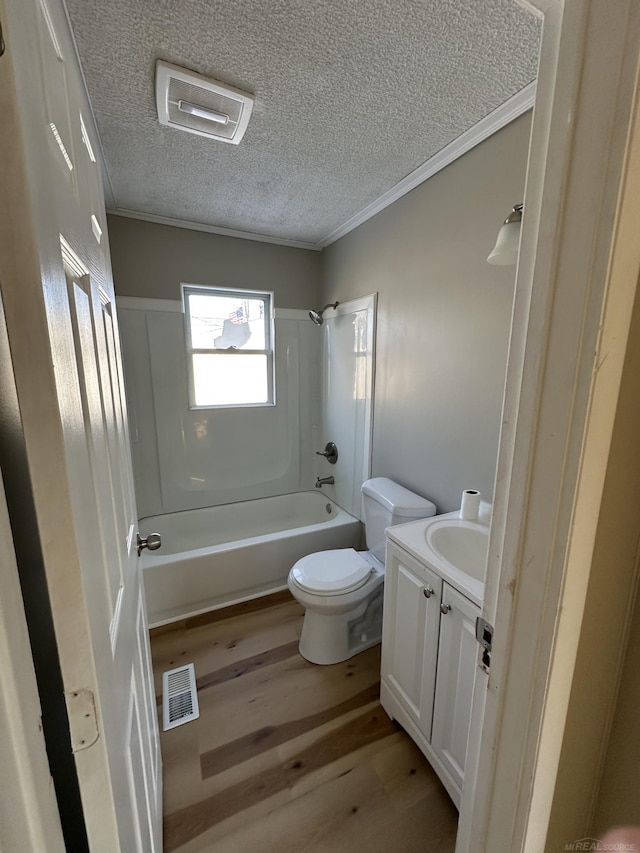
(191, 102)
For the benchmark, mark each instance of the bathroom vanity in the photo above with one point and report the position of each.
(434, 586)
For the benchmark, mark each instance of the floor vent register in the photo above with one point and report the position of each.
(179, 697)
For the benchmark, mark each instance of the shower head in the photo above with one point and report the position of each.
(317, 317)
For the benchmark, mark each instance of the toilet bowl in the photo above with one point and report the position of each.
(338, 591)
(342, 589)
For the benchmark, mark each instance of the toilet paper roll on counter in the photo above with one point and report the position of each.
(470, 505)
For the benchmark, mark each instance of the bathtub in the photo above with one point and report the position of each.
(222, 555)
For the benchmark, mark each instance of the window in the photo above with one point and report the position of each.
(229, 335)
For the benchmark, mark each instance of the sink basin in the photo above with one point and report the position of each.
(462, 544)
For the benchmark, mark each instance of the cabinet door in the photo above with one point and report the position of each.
(456, 674)
(410, 634)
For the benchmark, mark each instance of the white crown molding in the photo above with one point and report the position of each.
(490, 124)
(212, 229)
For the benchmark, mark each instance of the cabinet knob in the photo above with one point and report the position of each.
(445, 608)
(427, 591)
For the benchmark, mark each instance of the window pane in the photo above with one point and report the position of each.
(226, 380)
(220, 322)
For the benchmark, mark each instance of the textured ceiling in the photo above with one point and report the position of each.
(350, 98)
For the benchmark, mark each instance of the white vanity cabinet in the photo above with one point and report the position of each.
(411, 622)
(457, 659)
(429, 655)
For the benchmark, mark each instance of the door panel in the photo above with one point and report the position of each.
(457, 658)
(60, 310)
(410, 634)
(148, 728)
(112, 401)
(95, 423)
(104, 418)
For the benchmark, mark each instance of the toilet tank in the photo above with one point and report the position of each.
(386, 503)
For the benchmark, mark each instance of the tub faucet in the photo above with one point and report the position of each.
(324, 481)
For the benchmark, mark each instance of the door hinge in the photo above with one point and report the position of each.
(484, 635)
(83, 721)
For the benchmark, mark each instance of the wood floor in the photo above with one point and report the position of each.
(288, 757)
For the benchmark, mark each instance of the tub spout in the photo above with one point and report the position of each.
(324, 481)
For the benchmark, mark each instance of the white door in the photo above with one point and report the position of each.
(60, 311)
(457, 655)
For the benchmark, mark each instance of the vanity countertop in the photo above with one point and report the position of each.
(465, 543)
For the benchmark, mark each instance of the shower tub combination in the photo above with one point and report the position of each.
(216, 556)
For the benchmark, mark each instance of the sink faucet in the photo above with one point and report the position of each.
(324, 481)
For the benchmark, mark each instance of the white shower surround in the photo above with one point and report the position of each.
(229, 490)
(190, 458)
(186, 459)
(252, 546)
(348, 338)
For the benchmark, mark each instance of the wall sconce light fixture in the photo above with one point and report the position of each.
(508, 242)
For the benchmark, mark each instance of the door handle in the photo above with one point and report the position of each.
(153, 541)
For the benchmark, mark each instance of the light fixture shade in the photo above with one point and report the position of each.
(506, 249)
(203, 112)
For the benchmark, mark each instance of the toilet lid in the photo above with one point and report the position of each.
(330, 572)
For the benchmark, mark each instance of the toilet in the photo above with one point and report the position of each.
(341, 590)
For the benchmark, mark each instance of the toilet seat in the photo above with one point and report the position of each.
(332, 572)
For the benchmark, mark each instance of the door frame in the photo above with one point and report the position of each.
(575, 287)
(29, 815)
(559, 408)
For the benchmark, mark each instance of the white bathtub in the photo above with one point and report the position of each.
(221, 555)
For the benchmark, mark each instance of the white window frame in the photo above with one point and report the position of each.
(269, 351)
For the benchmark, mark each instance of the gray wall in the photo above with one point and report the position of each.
(443, 318)
(152, 261)
(443, 312)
